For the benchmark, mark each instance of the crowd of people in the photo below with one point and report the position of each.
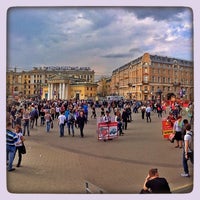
(74, 114)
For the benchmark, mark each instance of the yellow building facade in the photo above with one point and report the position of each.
(146, 76)
(52, 82)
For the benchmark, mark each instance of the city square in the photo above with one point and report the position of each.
(61, 60)
(119, 166)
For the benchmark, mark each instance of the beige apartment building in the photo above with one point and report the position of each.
(150, 77)
(52, 82)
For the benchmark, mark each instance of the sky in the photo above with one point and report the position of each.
(102, 38)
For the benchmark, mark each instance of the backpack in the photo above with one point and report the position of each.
(191, 145)
(71, 118)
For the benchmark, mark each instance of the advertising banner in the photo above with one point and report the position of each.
(107, 131)
(167, 128)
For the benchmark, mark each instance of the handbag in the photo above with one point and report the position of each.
(172, 137)
(23, 149)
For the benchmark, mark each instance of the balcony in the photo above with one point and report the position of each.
(145, 82)
(176, 84)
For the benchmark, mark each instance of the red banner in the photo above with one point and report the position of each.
(167, 128)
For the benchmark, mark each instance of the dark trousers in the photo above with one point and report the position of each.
(185, 164)
(81, 130)
(143, 112)
(19, 155)
(148, 115)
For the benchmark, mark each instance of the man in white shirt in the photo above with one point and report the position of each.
(107, 117)
(61, 123)
(148, 113)
(187, 150)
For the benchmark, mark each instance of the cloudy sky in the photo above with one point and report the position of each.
(103, 38)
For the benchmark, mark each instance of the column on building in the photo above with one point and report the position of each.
(60, 91)
(52, 90)
(64, 97)
(66, 91)
(49, 91)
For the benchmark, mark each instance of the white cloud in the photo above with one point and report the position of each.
(105, 39)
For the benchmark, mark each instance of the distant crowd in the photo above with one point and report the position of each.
(24, 116)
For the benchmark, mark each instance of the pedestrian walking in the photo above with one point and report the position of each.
(61, 123)
(177, 130)
(159, 110)
(42, 114)
(48, 120)
(93, 112)
(118, 119)
(143, 110)
(81, 121)
(71, 122)
(148, 113)
(11, 139)
(26, 122)
(187, 150)
(155, 184)
(19, 144)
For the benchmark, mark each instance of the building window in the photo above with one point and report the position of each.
(164, 79)
(146, 79)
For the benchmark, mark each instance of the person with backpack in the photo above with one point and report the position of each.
(187, 150)
(71, 122)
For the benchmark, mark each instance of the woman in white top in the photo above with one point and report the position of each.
(19, 143)
(177, 130)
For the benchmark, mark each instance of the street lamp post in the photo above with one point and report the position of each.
(159, 92)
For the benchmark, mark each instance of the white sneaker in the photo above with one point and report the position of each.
(185, 175)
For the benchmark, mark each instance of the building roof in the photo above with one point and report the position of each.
(158, 59)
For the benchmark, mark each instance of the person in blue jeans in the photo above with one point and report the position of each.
(61, 123)
(187, 150)
(70, 123)
(11, 139)
(26, 122)
(48, 120)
